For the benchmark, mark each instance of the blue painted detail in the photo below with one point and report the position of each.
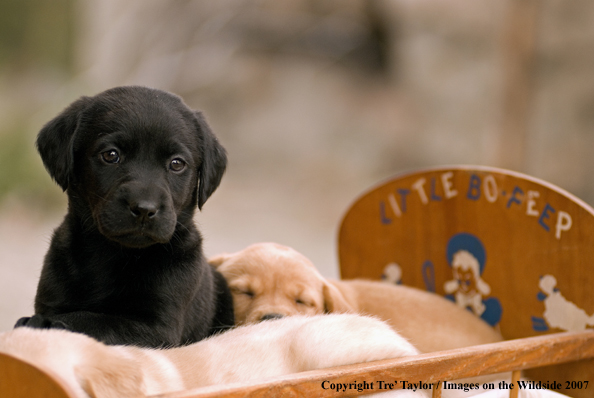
(403, 194)
(470, 243)
(474, 187)
(545, 215)
(473, 245)
(434, 196)
(540, 296)
(539, 324)
(385, 220)
(429, 276)
(513, 198)
(493, 311)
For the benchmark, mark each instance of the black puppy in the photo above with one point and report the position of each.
(126, 264)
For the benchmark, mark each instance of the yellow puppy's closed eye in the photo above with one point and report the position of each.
(243, 291)
(303, 302)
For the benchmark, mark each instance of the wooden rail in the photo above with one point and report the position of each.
(507, 356)
(19, 379)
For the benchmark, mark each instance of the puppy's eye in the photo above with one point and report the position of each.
(177, 165)
(111, 156)
(301, 302)
(244, 292)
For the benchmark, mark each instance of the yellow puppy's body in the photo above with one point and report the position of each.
(254, 352)
(268, 280)
(430, 322)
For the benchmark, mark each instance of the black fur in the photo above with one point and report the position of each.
(126, 264)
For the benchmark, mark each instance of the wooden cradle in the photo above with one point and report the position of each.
(514, 250)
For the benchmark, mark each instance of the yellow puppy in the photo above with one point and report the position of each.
(253, 352)
(268, 280)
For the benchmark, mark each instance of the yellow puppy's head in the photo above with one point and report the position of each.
(269, 280)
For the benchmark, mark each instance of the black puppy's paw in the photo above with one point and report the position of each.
(22, 322)
(41, 322)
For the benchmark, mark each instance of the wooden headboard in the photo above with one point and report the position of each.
(514, 250)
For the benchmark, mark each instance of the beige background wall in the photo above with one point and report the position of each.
(315, 101)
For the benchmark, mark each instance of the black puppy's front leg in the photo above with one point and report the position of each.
(22, 321)
(109, 329)
(40, 322)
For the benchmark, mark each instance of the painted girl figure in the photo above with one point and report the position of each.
(466, 256)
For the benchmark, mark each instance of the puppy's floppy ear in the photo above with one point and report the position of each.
(218, 259)
(214, 161)
(55, 142)
(334, 300)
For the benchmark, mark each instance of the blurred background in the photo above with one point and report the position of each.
(315, 101)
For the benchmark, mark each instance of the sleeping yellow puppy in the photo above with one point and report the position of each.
(268, 280)
(248, 353)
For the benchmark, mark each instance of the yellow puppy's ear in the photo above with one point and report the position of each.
(110, 376)
(334, 301)
(218, 259)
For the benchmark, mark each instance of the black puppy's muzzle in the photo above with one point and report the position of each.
(144, 210)
(138, 215)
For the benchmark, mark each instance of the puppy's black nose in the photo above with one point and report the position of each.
(271, 316)
(144, 209)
